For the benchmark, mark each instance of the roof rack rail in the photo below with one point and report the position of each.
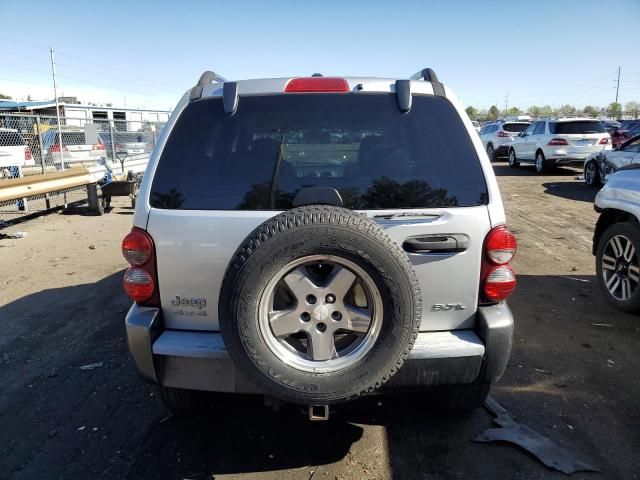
(428, 75)
(205, 79)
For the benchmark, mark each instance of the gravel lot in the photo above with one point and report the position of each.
(61, 307)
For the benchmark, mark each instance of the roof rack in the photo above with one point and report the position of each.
(205, 79)
(428, 75)
(229, 90)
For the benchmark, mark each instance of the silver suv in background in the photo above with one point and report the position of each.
(497, 137)
(616, 241)
(311, 239)
(565, 141)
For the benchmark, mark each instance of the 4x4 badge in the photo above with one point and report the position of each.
(445, 307)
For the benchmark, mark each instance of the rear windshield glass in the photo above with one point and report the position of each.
(68, 138)
(10, 139)
(515, 127)
(359, 144)
(580, 126)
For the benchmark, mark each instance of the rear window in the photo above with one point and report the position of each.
(68, 138)
(360, 144)
(579, 127)
(515, 127)
(11, 139)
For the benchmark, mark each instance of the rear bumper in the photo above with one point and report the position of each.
(199, 360)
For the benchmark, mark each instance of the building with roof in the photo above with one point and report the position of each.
(77, 114)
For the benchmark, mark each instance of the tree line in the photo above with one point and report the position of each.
(613, 110)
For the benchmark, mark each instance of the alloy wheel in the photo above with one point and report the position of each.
(620, 270)
(320, 313)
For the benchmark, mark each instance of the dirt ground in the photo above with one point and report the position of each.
(573, 374)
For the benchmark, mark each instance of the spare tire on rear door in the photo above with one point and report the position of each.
(319, 305)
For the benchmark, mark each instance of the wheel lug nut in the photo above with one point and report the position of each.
(311, 299)
(330, 298)
(337, 316)
(305, 316)
(321, 327)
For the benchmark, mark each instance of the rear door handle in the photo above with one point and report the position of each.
(440, 243)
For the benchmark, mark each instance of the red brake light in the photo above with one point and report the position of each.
(98, 146)
(503, 134)
(604, 141)
(316, 84)
(497, 280)
(27, 153)
(500, 246)
(140, 281)
(137, 247)
(138, 284)
(558, 141)
(499, 284)
(54, 148)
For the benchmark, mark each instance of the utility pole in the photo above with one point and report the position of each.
(55, 94)
(506, 105)
(618, 84)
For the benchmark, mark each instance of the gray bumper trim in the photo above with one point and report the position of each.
(494, 325)
(199, 360)
(144, 326)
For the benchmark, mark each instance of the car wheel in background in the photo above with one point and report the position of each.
(618, 266)
(513, 161)
(319, 305)
(541, 164)
(491, 153)
(592, 174)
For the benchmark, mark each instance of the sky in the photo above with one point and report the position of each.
(143, 53)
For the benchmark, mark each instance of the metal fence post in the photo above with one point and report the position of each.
(113, 147)
(39, 133)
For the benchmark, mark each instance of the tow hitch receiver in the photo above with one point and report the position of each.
(318, 413)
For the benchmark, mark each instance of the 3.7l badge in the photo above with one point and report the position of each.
(446, 307)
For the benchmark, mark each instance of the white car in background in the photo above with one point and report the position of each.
(496, 137)
(476, 125)
(14, 153)
(563, 141)
(75, 147)
(600, 166)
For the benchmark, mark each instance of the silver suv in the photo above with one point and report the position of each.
(316, 239)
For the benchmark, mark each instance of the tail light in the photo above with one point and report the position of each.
(98, 146)
(558, 141)
(56, 148)
(27, 154)
(497, 280)
(119, 146)
(140, 280)
(604, 141)
(503, 134)
(317, 85)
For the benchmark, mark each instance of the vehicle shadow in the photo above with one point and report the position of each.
(579, 191)
(504, 170)
(105, 422)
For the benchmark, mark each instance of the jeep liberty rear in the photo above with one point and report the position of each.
(315, 239)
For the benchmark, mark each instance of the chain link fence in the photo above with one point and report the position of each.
(33, 145)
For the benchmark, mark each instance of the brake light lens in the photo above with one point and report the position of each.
(503, 134)
(98, 146)
(499, 284)
(138, 284)
(604, 141)
(558, 141)
(140, 280)
(316, 85)
(500, 246)
(497, 280)
(27, 153)
(137, 248)
(56, 148)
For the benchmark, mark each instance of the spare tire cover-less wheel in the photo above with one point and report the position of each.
(319, 305)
